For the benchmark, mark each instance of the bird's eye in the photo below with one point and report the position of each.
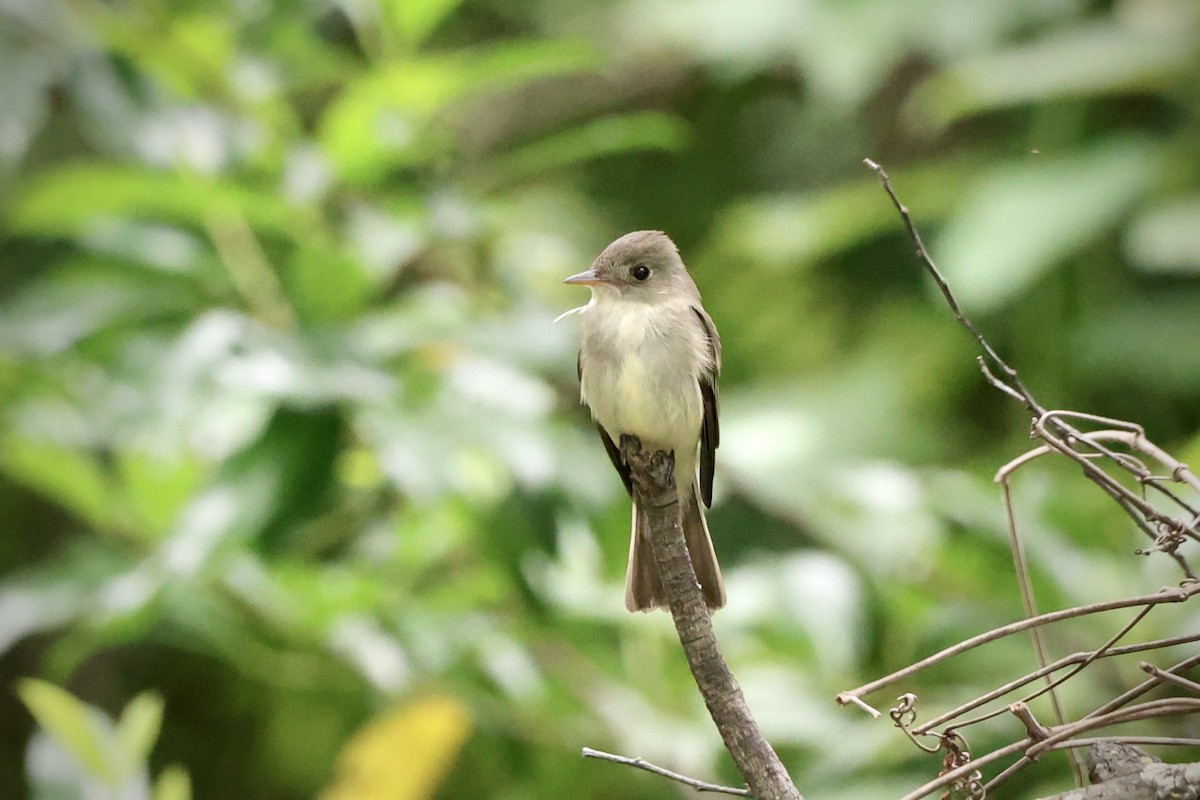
(640, 272)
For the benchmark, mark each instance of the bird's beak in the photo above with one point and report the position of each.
(589, 278)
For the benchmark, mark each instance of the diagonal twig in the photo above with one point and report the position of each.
(1166, 595)
(641, 763)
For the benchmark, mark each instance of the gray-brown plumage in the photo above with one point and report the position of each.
(649, 360)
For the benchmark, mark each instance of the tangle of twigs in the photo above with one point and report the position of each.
(1148, 484)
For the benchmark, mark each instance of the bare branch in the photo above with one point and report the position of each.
(1059, 735)
(1049, 669)
(1151, 472)
(653, 474)
(1036, 730)
(1165, 595)
(1169, 706)
(1142, 688)
(1166, 532)
(1165, 741)
(1014, 386)
(1025, 582)
(1051, 425)
(641, 763)
(1171, 677)
(1079, 667)
(1120, 770)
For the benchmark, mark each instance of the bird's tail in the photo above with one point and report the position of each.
(643, 587)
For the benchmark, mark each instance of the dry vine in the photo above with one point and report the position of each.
(1105, 449)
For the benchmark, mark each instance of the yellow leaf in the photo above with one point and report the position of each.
(403, 755)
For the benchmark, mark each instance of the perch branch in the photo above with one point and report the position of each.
(653, 474)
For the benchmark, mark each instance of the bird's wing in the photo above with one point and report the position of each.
(614, 454)
(710, 432)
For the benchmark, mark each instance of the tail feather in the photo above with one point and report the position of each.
(643, 587)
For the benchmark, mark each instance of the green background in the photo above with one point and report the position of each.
(288, 435)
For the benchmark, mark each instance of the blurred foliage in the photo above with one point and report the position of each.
(81, 753)
(289, 438)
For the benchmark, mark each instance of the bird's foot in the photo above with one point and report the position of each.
(649, 469)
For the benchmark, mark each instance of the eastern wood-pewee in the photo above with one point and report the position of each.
(649, 358)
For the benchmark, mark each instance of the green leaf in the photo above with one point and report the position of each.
(517, 63)
(787, 230)
(385, 120)
(380, 121)
(173, 784)
(83, 296)
(1167, 238)
(651, 130)
(327, 283)
(138, 728)
(1101, 58)
(67, 200)
(190, 53)
(1023, 218)
(157, 487)
(67, 720)
(68, 477)
(414, 20)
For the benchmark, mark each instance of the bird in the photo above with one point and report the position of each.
(649, 361)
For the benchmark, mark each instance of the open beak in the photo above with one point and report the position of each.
(589, 278)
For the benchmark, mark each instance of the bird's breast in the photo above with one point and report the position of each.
(640, 371)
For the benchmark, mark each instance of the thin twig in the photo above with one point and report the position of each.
(1166, 741)
(1135, 438)
(1052, 684)
(1150, 669)
(1066, 661)
(1025, 582)
(1012, 385)
(1017, 388)
(1135, 507)
(641, 763)
(1142, 688)
(1168, 706)
(1058, 430)
(1056, 741)
(1165, 595)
